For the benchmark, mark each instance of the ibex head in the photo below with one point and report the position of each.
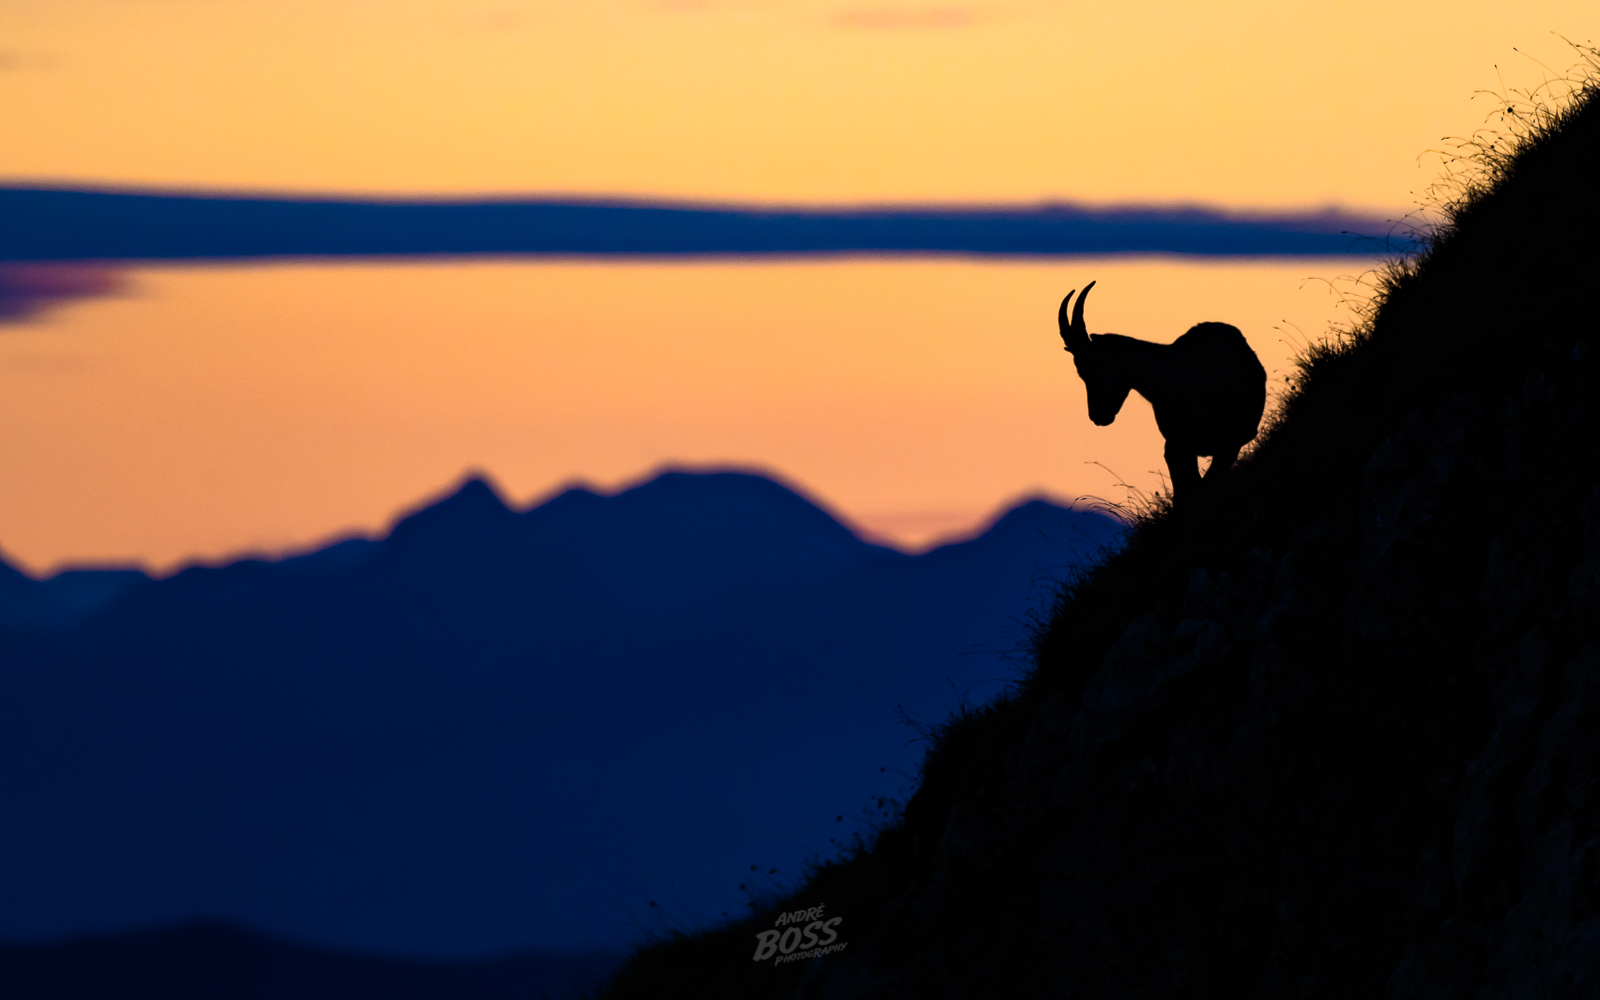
(1108, 386)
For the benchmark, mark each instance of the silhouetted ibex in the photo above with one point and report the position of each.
(1208, 389)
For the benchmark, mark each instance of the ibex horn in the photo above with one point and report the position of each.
(1078, 329)
(1073, 334)
(1063, 322)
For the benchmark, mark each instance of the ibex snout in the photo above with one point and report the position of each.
(1107, 390)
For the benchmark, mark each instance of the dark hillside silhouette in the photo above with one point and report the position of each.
(491, 730)
(1207, 388)
(1333, 737)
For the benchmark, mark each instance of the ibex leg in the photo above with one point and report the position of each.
(1221, 463)
(1183, 466)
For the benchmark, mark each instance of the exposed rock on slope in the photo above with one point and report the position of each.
(1338, 736)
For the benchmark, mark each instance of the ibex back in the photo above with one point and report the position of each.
(1207, 388)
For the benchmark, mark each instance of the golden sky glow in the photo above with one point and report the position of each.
(211, 411)
(215, 410)
(1258, 103)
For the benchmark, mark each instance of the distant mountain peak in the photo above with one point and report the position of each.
(474, 507)
(477, 492)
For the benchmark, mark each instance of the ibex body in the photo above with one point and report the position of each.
(1207, 388)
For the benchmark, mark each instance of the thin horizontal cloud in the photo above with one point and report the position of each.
(17, 60)
(910, 17)
(61, 224)
(28, 289)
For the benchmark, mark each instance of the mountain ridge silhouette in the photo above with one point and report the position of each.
(493, 729)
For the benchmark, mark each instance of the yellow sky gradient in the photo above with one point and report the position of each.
(1257, 103)
(216, 410)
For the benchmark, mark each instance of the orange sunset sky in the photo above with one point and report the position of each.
(205, 411)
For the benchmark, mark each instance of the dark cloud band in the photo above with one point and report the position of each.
(58, 224)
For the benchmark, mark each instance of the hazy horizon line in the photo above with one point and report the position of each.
(980, 522)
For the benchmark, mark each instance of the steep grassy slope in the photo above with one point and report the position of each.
(1336, 735)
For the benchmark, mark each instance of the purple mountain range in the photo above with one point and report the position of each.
(493, 730)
